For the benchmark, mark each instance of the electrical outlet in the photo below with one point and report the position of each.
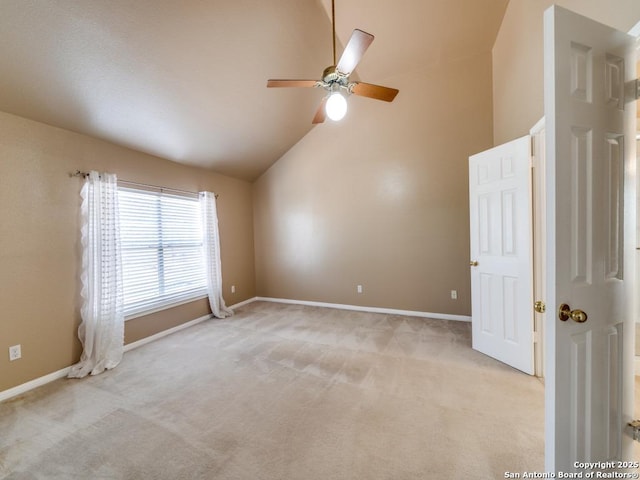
(15, 353)
(454, 294)
(359, 288)
(233, 289)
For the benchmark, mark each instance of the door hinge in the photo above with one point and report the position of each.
(632, 89)
(532, 144)
(635, 427)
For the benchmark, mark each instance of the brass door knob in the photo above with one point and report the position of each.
(473, 263)
(540, 307)
(565, 313)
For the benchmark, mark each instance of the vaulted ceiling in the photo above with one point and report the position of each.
(186, 80)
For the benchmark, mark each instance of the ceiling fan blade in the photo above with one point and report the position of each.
(353, 52)
(321, 112)
(374, 91)
(291, 83)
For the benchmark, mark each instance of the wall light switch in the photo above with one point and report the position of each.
(233, 289)
(359, 288)
(454, 294)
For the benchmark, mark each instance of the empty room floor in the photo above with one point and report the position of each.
(285, 392)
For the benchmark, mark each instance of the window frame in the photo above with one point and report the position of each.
(163, 300)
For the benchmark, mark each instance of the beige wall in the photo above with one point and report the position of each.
(39, 240)
(380, 199)
(518, 58)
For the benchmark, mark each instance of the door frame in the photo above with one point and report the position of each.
(539, 231)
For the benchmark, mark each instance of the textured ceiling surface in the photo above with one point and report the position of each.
(186, 80)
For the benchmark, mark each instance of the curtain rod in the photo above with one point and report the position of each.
(79, 173)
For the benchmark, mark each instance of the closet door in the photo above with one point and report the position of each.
(501, 253)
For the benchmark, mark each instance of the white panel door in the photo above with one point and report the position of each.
(590, 185)
(501, 245)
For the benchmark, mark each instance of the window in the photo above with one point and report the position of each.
(161, 244)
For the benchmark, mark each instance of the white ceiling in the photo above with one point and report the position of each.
(186, 79)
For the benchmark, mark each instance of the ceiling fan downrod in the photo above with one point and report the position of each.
(333, 29)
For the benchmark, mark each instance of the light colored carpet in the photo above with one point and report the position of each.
(285, 392)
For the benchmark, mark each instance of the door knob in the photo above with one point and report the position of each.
(565, 313)
(540, 307)
(473, 263)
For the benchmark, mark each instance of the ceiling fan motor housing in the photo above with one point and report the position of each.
(332, 76)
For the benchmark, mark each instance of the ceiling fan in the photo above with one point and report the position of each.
(335, 78)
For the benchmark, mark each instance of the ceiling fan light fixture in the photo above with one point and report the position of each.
(336, 106)
(336, 77)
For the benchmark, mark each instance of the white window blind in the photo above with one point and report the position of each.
(161, 244)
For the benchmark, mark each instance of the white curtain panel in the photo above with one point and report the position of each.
(211, 241)
(102, 329)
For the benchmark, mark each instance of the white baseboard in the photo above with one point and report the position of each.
(391, 311)
(182, 326)
(164, 333)
(38, 382)
(242, 304)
